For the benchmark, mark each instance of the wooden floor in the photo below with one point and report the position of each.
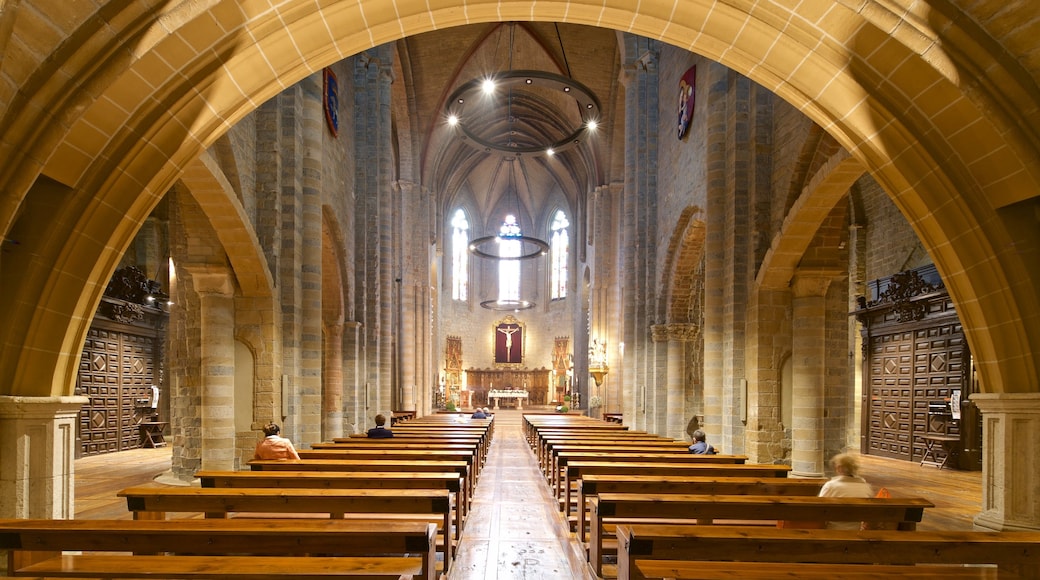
(514, 530)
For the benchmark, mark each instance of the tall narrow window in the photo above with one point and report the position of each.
(509, 270)
(559, 252)
(459, 256)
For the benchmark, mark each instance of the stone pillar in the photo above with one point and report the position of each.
(716, 271)
(312, 128)
(217, 316)
(332, 395)
(1010, 461)
(639, 76)
(353, 369)
(37, 449)
(808, 353)
(677, 336)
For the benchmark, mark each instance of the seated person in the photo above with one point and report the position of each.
(846, 483)
(700, 446)
(274, 446)
(379, 431)
(479, 414)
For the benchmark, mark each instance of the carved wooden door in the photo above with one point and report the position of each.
(909, 373)
(116, 372)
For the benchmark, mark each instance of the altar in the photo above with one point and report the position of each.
(518, 396)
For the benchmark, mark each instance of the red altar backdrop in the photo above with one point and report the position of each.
(509, 343)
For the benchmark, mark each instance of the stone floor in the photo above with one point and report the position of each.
(515, 529)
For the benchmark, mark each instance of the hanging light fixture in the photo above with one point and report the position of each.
(468, 107)
(509, 245)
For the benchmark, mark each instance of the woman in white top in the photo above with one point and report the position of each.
(847, 483)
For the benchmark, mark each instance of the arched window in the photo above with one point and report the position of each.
(459, 256)
(559, 254)
(509, 270)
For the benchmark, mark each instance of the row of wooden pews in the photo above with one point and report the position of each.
(654, 510)
(222, 548)
(389, 508)
(717, 552)
(621, 477)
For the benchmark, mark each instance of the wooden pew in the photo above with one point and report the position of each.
(738, 549)
(533, 424)
(426, 433)
(617, 508)
(154, 502)
(548, 445)
(592, 484)
(341, 480)
(383, 450)
(563, 458)
(412, 438)
(218, 548)
(575, 470)
(403, 455)
(361, 465)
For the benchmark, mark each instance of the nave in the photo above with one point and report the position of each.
(514, 530)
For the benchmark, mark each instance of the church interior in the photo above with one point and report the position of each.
(803, 228)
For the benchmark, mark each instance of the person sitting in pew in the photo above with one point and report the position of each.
(700, 445)
(379, 431)
(479, 414)
(846, 483)
(274, 446)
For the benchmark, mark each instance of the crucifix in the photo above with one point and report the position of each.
(508, 332)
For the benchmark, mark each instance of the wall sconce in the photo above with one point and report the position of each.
(598, 367)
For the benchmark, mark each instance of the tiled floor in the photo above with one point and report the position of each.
(515, 530)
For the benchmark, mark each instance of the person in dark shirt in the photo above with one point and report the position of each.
(479, 414)
(380, 432)
(700, 446)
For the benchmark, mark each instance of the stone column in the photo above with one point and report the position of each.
(312, 130)
(353, 370)
(808, 354)
(677, 336)
(217, 319)
(37, 448)
(1010, 461)
(332, 395)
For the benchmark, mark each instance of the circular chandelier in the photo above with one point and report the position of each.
(529, 247)
(519, 85)
(507, 305)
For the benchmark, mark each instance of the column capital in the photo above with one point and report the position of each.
(209, 279)
(814, 281)
(674, 332)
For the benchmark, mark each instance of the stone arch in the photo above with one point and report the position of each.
(684, 254)
(826, 188)
(141, 89)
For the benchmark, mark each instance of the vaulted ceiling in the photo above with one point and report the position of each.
(491, 182)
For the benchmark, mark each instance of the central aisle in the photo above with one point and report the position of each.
(515, 530)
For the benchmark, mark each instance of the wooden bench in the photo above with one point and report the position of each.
(433, 504)
(552, 447)
(433, 442)
(563, 458)
(576, 470)
(617, 508)
(591, 485)
(405, 440)
(218, 548)
(737, 551)
(402, 455)
(341, 480)
(546, 440)
(361, 465)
